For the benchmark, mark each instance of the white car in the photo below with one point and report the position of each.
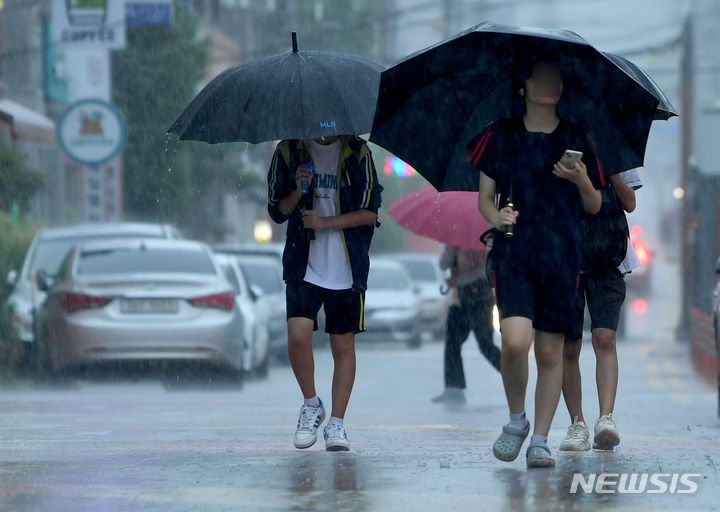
(249, 301)
(392, 306)
(141, 300)
(46, 253)
(429, 280)
(264, 273)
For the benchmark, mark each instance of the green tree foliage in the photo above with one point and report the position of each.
(154, 78)
(19, 184)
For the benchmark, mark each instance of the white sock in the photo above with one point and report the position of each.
(335, 420)
(518, 421)
(313, 402)
(538, 439)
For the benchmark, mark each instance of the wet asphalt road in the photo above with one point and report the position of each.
(121, 445)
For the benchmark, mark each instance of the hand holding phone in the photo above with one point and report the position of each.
(570, 158)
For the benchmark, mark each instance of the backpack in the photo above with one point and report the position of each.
(604, 236)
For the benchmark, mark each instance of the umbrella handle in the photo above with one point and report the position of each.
(444, 290)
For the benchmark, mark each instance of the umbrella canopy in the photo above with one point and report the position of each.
(664, 110)
(297, 95)
(448, 217)
(432, 103)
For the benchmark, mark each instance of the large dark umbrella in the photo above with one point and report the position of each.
(432, 103)
(297, 95)
(665, 110)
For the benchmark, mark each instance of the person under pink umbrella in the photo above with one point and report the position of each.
(444, 217)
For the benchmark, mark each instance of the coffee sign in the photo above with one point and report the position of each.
(89, 23)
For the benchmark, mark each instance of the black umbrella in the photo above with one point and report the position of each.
(432, 103)
(297, 95)
(665, 110)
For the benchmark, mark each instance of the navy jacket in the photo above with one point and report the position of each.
(358, 188)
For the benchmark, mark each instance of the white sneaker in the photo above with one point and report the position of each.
(606, 433)
(308, 423)
(577, 438)
(450, 396)
(335, 438)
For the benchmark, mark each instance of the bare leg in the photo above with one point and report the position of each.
(606, 373)
(572, 384)
(301, 355)
(343, 351)
(516, 340)
(549, 358)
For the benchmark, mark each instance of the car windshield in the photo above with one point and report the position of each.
(124, 261)
(384, 278)
(49, 254)
(266, 277)
(421, 270)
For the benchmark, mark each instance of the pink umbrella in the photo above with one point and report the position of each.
(448, 217)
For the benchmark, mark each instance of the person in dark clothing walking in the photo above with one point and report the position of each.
(536, 268)
(471, 311)
(602, 287)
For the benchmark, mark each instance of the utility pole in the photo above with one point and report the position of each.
(687, 232)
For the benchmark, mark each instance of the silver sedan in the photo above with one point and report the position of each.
(139, 300)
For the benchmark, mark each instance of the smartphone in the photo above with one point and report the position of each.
(570, 158)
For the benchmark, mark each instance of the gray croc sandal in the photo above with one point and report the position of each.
(538, 456)
(507, 446)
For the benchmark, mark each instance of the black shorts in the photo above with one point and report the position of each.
(605, 293)
(548, 300)
(344, 309)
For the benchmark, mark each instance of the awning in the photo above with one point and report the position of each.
(26, 124)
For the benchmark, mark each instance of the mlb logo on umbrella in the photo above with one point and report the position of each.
(328, 124)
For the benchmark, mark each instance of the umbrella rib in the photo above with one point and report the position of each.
(300, 81)
(265, 91)
(343, 103)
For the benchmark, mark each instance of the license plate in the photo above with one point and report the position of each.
(149, 306)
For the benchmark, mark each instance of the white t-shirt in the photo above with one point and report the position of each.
(631, 261)
(328, 265)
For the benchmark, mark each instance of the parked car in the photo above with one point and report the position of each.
(271, 250)
(46, 253)
(262, 272)
(141, 300)
(429, 279)
(392, 307)
(248, 300)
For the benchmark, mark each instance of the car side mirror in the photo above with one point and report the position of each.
(12, 278)
(256, 291)
(43, 281)
(717, 266)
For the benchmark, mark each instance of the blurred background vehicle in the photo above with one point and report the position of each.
(46, 253)
(263, 273)
(255, 315)
(270, 250)
(392, 306)
(141, 300)
(639, 280)
(428, 279)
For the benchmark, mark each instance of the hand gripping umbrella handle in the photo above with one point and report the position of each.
(510, 229)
